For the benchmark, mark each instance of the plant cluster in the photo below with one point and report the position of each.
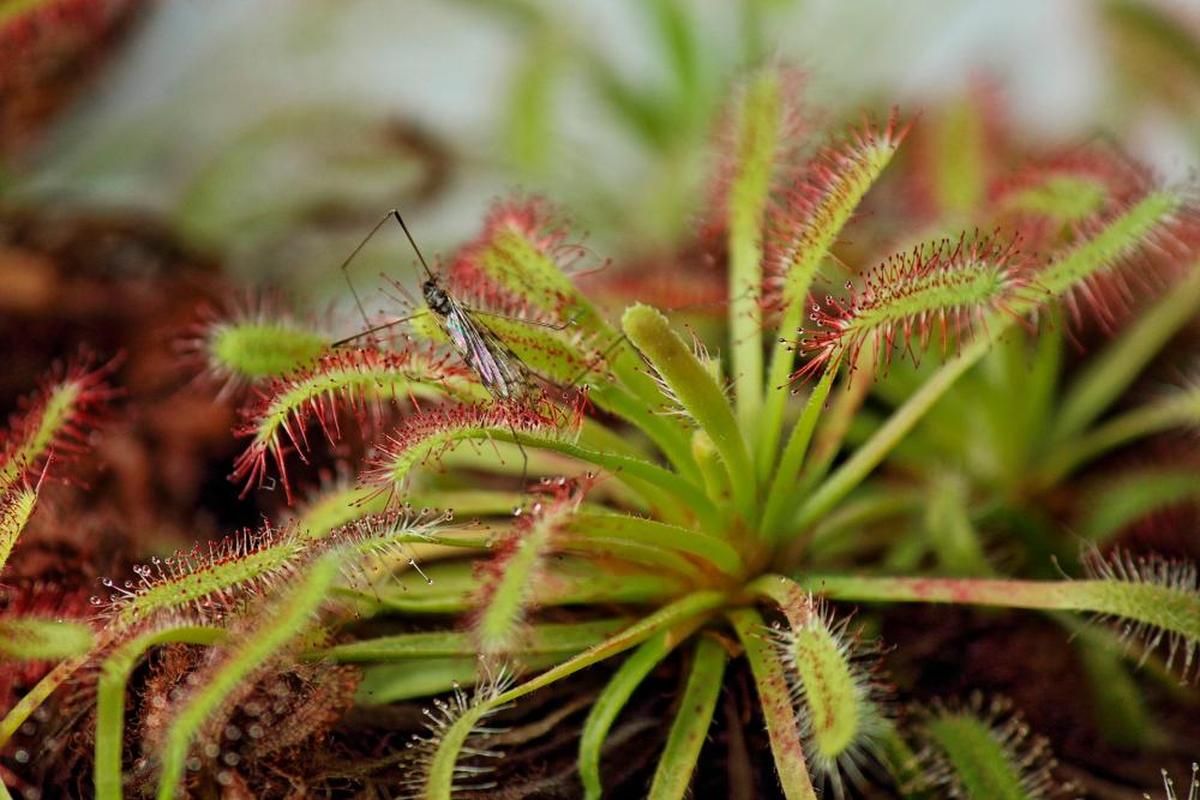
(839, 436)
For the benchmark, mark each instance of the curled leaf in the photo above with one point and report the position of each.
(941, 290)
(358, 381)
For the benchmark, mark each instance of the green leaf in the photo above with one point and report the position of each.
(851, 473)
(1117, 703)
(1126, 497)
(781, 496)
(426, 436)
(697, 392)
(1063, 197)
(948, 526)
(35, 434)
(37, 639)
(698, 605)
(16, 507)
(615, 549)
(1155, 600)
(692, 721)
(424, 677)
(412, 678)
(716, 553)
(573, 355)
(694, 606)
(33, 698)
(254, 349)
(279, 624)
(756, 133)
(833, 691)
(986, 757)
(783, 729)
(110, 698)
(563, 357)
(344, 379)
(1120, 238)
(545, 639)
(677, 39)
(1177, 409)
(1110, 373)
(436, 433)
(571, 580)
(840, 178)
(960, 157)
(616, 694)
(505, 595)
(1107, 249)
(458, 731)
(529, 126)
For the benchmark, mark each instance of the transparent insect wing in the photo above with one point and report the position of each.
(496, 367)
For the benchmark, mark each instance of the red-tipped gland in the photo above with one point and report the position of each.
(814, 208)
(255, 338)
(55, 420)
(937, 291)
(361, 382)
(506, 580)
(792, 126)
(536, 224)
(424, 437)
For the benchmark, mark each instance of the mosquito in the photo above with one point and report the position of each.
(501, 371)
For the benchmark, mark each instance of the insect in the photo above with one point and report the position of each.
(500, 371)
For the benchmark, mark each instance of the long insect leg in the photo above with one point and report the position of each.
(591, 365)
(524, 456)
(377, 328)
(554, 326)
(395, 214)
(345, 269)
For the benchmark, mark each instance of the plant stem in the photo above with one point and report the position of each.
(777, 390)
(836, 421)
(37, 695)
(757, 138)
(1155, 610)
(856, 468)
(1177, 411)
(696, 604)
(110, 699)
(783, 486)
(783, 729)
(616, 694)
(1111, 372)
(692, 721)
(1055, 595)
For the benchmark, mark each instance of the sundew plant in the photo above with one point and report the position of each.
(859, 425)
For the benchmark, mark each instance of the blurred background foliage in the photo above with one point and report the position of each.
(273, 135)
